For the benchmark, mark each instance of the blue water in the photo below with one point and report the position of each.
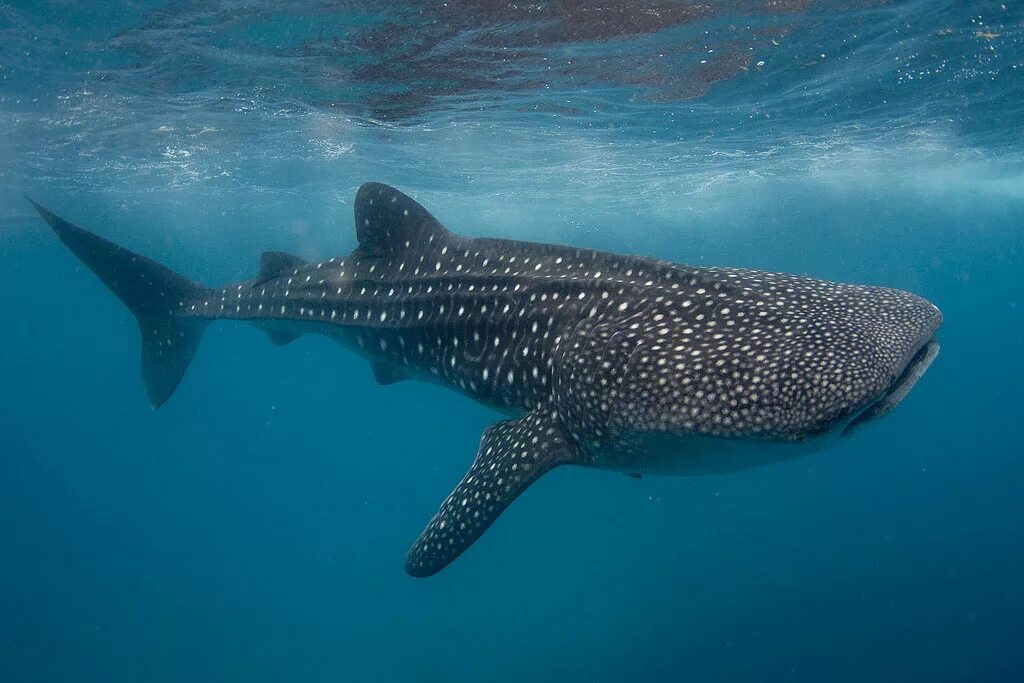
(254, 528)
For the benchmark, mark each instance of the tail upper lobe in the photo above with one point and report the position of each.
(154, 293)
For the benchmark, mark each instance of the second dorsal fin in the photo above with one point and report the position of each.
(388, 221)
(274, 264)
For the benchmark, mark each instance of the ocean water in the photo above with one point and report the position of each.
(254, 528)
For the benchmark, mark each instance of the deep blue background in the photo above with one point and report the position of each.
(255, 527)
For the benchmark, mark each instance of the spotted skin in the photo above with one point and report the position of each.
(605, 360)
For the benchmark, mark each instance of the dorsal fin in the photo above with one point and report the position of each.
(387, 220)
(274, 264)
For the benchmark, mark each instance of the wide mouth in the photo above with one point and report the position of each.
(900, 387)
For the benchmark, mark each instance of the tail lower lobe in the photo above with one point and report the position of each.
(154, 293)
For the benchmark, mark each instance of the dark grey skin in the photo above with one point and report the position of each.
(603, 360)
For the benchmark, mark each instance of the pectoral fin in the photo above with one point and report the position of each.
(513, 454)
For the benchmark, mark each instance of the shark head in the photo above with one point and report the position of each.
(757, 356)
(907, 376)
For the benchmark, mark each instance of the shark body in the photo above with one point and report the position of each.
(600, 359)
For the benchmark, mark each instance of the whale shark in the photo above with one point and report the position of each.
(596, 359)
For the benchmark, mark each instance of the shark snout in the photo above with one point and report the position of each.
(928, 315)
(923, 320)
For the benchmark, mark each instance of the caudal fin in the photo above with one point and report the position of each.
(156, 296)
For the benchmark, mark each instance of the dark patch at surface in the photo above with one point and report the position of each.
(421, 56)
